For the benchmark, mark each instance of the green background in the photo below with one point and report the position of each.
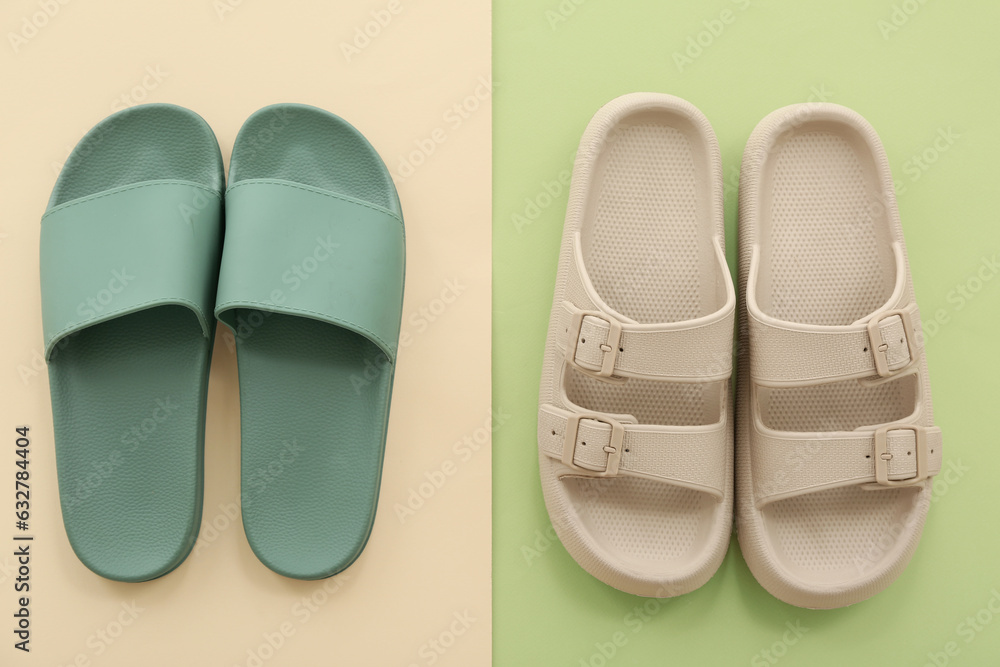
(936, 75)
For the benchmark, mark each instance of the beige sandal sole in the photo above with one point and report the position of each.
(818, 219)
(645, 222)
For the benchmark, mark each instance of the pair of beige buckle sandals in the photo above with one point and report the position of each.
(835, 446)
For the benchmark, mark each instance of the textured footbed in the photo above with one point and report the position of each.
(144, 143)
(647, 247)
(312, 395)
(128, 395)
(142, 440)
(824, 260)
(311, 398)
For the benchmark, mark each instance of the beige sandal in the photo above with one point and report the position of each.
(835, 437)
(634, 426)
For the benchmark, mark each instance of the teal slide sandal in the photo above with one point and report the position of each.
(130, 250)
(311, 285)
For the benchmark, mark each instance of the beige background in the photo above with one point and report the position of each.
(224, 59)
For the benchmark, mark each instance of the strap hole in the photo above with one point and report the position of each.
(868, 456)
(627, 450)
(901, 340)
(583, 340)
(907, 453)
(865, 350)
(932, 451)
(622, 349)
(553, 432)
(584, 444)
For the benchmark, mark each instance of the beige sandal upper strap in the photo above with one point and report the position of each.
(594, 444)
(786, 465)
(598, 344)
(789, 354)
(608, 346)
(882, 346)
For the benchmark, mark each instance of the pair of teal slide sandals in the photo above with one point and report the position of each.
(142, 247)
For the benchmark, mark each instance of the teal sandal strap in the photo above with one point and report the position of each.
(304, 251)
(129, 249)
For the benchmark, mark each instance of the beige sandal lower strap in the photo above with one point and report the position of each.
(786, 465)
(600, 445)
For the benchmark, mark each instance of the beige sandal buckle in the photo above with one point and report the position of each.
(883, 455)
(613, 450)
(880, 349)
(609, 348)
